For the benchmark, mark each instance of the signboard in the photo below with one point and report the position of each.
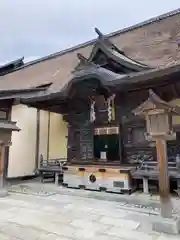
(106, 131)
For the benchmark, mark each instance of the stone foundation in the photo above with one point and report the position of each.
(109, 179)
(167, 225)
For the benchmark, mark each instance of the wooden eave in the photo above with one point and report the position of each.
(131, 82)
(21, 93)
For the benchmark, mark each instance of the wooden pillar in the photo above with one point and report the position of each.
(164, 188)
(120, 145)
(6, 151)
(37, 139)
(48, 138)
(2, 151)
(6, 162)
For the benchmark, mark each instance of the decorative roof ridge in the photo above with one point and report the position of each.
(84, 63)
(12, 62)
(106, 43)
(103, 39)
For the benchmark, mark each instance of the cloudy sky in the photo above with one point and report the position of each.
(35, 28)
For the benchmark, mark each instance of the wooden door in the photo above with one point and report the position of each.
(73, 144)
(86, 143)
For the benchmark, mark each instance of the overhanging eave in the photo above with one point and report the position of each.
(127, 83)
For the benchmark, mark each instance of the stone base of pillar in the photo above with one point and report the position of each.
(3, 192)
(166, 208)
(167, 225)
(57, 178)
(145, 186)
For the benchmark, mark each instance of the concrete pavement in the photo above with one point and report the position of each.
(67, 217)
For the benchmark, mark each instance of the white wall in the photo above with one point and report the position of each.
(57, 137)
(22, 155)
(23, 149)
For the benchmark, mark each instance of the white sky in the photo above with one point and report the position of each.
(35, 28)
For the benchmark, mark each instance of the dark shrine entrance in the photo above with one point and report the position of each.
(106, 144)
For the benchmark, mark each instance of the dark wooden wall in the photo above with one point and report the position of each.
(134, 148)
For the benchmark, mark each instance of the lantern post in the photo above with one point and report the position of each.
(6, 128)
(158, 116)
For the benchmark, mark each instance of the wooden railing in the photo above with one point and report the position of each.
(149, 169)
(52, 163)
(51, 168)
(153, 166)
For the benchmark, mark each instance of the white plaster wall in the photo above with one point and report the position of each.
(57, 137)
(23, 149)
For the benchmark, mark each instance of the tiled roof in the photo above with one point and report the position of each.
(133, 27)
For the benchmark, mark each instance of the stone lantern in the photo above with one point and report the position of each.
(158, 116)
(6, 128)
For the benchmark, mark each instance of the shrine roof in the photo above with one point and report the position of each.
(56, 67)
(11, 66)
(108, 48)
(87, 69)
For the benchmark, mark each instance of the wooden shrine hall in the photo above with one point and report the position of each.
(107, 146)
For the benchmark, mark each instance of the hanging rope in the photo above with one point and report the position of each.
(111, 108)
(92, 111)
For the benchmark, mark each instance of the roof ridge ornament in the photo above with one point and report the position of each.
(82, 58)
(99, 33)
(83, 62)
(104, 40)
